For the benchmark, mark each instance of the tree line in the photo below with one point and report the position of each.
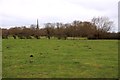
(97, 28)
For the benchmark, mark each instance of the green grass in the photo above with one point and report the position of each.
(60, 58)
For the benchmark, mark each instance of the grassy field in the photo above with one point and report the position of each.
(60, 58)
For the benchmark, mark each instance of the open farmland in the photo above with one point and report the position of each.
(59, 58)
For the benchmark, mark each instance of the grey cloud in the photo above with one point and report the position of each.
(57, 11)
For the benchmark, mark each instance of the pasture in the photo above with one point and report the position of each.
(59, 58)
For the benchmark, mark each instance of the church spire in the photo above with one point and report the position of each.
(37, 24)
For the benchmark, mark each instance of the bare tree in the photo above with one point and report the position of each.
(60, 31)
(49, 27)
(103, 23)
(5, 33)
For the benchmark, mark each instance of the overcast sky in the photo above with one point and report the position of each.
(25, 12)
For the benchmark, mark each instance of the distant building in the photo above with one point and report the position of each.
(35, 26)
